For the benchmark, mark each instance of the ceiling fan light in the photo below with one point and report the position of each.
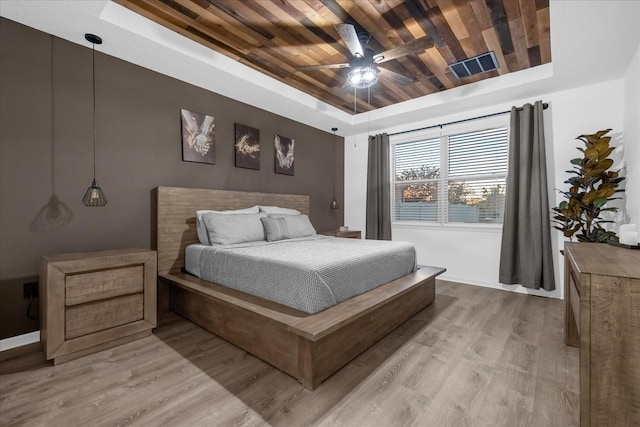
(355, 76)
(368, 75)
(363, 77)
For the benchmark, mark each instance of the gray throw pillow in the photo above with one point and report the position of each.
(203, 235)
(278, 210)
(280, 227)
(229, 229)
(275, 229)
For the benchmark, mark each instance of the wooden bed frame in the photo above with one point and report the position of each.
(309, 347)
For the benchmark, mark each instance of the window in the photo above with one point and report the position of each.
(454, 178)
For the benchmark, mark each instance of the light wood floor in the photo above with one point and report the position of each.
(478, 357)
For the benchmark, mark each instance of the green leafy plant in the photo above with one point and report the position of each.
(592, 185)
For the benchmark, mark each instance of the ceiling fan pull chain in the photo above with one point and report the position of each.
(355, 109)
(369, 112)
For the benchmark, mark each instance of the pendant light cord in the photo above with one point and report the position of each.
(53, 121)
(334, 161)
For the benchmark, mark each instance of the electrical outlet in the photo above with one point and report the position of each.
(30, 290)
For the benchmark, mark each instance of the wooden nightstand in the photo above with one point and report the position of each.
(349, 234)
(96, 300)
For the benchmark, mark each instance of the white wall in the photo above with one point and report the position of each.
(632, 139)
(469, 254)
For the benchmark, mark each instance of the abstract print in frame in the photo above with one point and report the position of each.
(247, 147)
(284, 155)
(198, 131)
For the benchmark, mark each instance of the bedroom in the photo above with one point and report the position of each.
(138, 133)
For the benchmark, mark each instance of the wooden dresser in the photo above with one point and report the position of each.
(602, 318)
(95, 300)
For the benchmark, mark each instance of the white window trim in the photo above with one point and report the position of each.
(456, 226)
(438, 132)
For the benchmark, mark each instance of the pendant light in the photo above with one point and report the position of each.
(94, 195)
(334, 202)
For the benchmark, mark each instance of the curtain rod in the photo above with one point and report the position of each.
(544, 107)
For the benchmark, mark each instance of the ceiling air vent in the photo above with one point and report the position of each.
(476, 65)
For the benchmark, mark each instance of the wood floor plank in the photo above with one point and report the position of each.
(511, 395)
(477, 356)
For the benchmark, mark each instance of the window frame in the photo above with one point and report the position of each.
(443, 179)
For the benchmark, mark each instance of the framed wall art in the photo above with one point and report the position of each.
(198, 142)
(247, 147)
(284, 155)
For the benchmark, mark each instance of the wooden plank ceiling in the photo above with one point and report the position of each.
(276, 36)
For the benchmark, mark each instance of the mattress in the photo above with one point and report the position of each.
(309, 274)
(192, 258)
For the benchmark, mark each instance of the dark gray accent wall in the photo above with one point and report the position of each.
(46, 148)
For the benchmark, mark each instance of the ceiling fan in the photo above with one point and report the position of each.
(364, 62)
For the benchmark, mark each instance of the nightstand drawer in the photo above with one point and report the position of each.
(100, 285)
(97, 316)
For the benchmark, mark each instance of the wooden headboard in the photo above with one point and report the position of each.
(176, 216)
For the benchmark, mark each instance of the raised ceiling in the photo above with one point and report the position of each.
(276, 36)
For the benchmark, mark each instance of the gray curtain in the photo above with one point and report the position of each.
(526, 256)
(378, 187)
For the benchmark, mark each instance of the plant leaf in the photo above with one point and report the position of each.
(588, 198)
(604, 154)
(605, 164)
(599, 202)
(591, 153)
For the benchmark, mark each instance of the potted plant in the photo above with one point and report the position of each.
(592, 185)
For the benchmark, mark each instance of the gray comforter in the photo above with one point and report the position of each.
(309, 274)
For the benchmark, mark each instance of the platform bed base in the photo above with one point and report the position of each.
(308, 347)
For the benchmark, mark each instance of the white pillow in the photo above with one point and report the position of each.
(203, 236)
(279, 211)
(224, 229)
(280, 227)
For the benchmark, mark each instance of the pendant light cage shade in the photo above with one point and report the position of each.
(94, 196)
(334, 204)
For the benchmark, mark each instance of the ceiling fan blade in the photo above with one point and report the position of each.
(344, 88)
(414, 46)
(350, 37)
(397, 78)
(321, 67)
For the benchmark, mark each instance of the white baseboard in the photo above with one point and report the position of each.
(19, 341)
(509, 288)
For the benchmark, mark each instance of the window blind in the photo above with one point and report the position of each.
(456, 178)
